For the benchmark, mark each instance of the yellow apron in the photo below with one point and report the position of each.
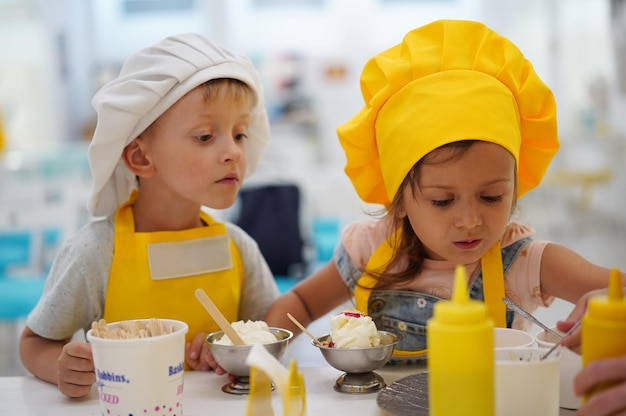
(2, 136)
(155, 275)
(493, 282)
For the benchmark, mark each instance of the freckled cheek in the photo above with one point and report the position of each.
(192, 170)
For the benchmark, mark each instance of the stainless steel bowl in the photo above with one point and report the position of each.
(232, 358)
(360, 360)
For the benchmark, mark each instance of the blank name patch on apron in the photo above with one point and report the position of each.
(187, 258)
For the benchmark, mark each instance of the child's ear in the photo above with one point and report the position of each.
(136, 159)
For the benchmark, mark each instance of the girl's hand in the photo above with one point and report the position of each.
(572, 341)
(610, 401)
(75, 369)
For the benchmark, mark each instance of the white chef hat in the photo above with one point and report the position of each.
(150, 82)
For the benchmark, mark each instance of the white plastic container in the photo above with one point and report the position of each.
(571, 364)
(508, 337)
(526, 385)
(141, 376)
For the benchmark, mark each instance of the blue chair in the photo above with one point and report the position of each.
(326, 234)
(18, 294)
(270, 214)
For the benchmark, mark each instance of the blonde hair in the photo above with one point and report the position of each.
(219, 89)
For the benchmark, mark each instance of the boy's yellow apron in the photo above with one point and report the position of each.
(155, 275)
(2, 135)
(493, 281)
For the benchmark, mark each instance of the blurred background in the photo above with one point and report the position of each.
(54, 55)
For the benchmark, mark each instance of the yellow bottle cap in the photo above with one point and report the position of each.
(613, 305)
(460, 309)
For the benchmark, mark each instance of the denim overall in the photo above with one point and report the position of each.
(406, 313)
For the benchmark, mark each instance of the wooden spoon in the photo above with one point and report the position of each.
(218, 317)
(306, 331)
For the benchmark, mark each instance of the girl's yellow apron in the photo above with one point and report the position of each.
(155, 275)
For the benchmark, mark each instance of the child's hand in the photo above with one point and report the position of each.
(75, 369)
(198, 356)
(611, 401)
(196, 353)
(213, 364)
(572, 341)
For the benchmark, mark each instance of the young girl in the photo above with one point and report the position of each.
(179, 129)
(456, 127)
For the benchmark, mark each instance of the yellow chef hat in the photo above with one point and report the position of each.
(447, 81)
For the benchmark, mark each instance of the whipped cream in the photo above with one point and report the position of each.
(251, 332)
(352, 329)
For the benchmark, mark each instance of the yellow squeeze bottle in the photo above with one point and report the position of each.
(604, 326)
(460, 355)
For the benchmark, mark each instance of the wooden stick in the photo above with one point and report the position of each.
(218, 317)
(306, 331)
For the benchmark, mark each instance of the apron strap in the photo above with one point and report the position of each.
(493, 284)
(379, 259)
(492, 272)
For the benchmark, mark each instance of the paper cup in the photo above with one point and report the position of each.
(571, 364)
(141, 376)
(508, 337)
(526, 385)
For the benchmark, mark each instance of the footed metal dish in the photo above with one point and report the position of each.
(359, 363)
(232, 358)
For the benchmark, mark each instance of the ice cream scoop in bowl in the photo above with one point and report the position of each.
(232, 358)
(358, 363)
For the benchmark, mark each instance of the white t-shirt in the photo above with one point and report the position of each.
(76, 286)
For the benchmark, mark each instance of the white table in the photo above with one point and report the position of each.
(28, 396)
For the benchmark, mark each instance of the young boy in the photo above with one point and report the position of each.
(179, 129)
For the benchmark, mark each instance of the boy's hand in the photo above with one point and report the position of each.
(75, 369)
(198, 355)
(213, 364)
(196, 352)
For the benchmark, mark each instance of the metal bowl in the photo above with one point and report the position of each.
(232, 358)
(359, 360)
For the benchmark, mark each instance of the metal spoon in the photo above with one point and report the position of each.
(514, 306)
(572, 329)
